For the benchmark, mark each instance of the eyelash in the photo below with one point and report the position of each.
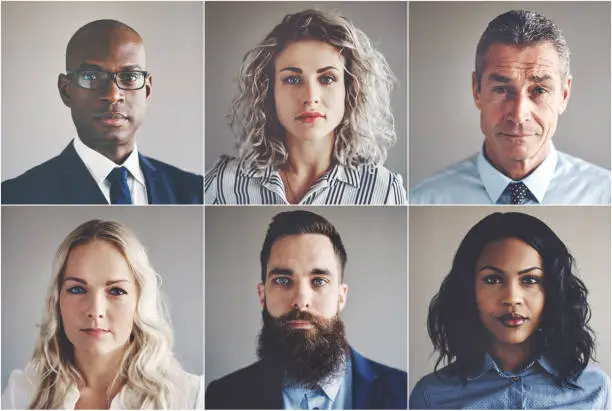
(504, 89)
(294, 80)
(494, 279)
(317, 282)
(115, 291)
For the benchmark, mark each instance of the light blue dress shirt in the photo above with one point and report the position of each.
(560, 179)
(331, 394)
(531, 388)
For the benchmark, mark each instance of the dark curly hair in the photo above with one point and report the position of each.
(564, 336)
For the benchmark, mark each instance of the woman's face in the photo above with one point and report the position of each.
(509, 290)
(97, 299)
(309, 90)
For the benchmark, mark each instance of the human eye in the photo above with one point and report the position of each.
(531, 280)
(129, 77)
(117, 291)
(292, 80)
(76, 289)
(327, 79)
(319, 282)
(539, 90)
(492, 279)
(282, 281)
(500, 89)
(90, 75)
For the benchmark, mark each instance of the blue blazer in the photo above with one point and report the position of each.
(66, 180)
(375, 386)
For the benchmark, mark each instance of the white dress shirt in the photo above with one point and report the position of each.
(22, 385)
(100, 166)
(559, 179)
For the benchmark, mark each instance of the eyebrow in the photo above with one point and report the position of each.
(534, 77)
(499, 270)
(290, 272)
(99, 68)
(300, 71)
(81, 281)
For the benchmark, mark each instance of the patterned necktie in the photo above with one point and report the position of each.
(119, 190)
(519, 193)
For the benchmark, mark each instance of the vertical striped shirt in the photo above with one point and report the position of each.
(228, 183)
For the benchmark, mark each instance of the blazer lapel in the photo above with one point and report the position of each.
(157, 192)
(79, 187)
(366, 392)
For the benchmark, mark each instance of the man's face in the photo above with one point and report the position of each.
(109, 116)
(520, 99)
(303, 274)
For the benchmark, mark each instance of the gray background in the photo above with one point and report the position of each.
(375, 312)
(445, 123)
(35, 123)
(233, 28)
(435, 234)
(172, 237)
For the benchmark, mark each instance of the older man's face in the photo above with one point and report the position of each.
(520, 98)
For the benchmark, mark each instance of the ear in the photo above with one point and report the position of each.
(343, 296)
(262, 294)
(475, 90)
(63, 86)
(566, 92)
(148, 87)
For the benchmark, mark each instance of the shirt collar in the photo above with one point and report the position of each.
(99, 166)
(537, 182)
(330, 386)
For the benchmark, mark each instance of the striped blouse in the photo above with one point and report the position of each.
(227, 183)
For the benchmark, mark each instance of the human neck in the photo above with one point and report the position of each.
(517, 169)
(99, 371)
(309, 159)
(510, 357)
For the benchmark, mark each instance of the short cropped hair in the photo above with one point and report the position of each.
(367, 129)
(300, 222)
(522, 28)
(564, 337)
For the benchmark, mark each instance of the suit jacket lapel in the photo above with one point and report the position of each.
(79, 187)
(366, 392)
(157, 192)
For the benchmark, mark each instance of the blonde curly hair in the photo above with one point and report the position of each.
(367, 129)
(148, 368)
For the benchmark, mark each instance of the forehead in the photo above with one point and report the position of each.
(511, 254)
(309, 55)
(106, 47)
(515, 61)
(304, 252)
(97, 261)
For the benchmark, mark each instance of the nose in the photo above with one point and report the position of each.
(513, 294)
(97, 306)
(302, 297)
(312, 93)
(519, 110)
(112, 93)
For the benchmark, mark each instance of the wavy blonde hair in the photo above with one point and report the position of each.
(148, 367)
(367, 129)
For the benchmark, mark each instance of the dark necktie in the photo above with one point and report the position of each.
(119, 190)
(519, 192)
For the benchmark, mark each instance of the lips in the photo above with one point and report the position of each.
(303, 324)
(309, 116)
(95, 332)
(512, 320)
(112, 118)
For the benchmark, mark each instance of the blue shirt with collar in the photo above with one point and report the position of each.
(334, 393)
(560, 179)
(531, 388)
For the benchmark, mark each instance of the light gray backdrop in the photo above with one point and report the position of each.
(172, 237)
(435, 234)
(35, 123)
(233, 28)
(375, 312)
(445, 123)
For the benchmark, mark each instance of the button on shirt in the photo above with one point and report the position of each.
(532, 388)
(332, 394)
(560, 179)
(100, 167)
(227, 183)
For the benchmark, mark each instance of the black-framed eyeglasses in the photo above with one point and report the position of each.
(95, 79)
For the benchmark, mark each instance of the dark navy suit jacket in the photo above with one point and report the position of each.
(375, 386)
(66, 180)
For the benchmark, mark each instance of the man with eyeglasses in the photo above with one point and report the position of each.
(107, 88)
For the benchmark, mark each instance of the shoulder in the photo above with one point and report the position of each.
(391, 381)
(592, 376)
(20, 389)
(238, 388)
(220, 178)
(34, 183)
(433, 387)
(171, 171)
(574, 166)
(377, 184)
(448, 185)
(236, 379)
(190, 389)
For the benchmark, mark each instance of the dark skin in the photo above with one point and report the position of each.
(110, 49)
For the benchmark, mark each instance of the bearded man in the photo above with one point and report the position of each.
(305, 360)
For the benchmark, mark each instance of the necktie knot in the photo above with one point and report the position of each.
(119, 190)
(519, 193)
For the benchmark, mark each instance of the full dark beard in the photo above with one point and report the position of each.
(307, 356)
